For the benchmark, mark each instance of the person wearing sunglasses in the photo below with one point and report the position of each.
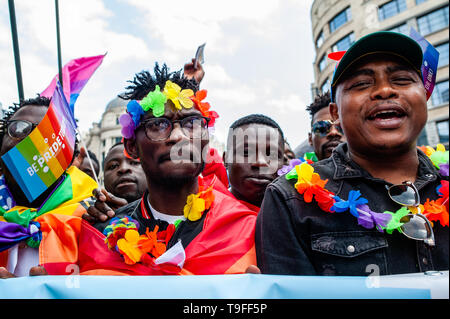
(325, 134)
(371, 207)
(18, 123)
(170, 138)
(20, 120)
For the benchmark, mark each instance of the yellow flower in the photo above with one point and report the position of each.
(305, 173)
(194, 207)
(174, 93)
(415, 210)
(128, 246)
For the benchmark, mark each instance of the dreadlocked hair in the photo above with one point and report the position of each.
(320, 101)
(38, 101)
(144, 82)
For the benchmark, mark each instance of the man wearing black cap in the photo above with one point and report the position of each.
(360, 215)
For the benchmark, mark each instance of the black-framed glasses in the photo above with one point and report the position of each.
(160, 128)
(322, 128)
(19, 129)
(415, 226)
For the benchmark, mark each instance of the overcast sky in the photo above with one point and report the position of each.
(258, 57)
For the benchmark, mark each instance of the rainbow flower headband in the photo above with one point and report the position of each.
(156, 100)
(311, 186)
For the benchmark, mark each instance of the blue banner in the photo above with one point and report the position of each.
(246, 286)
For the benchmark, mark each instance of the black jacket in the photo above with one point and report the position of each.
(298, 238)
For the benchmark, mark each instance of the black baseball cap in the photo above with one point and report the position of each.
(380, 42)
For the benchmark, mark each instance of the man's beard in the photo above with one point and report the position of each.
(174, 181)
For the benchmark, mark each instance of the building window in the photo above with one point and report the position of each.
(323, 63)
(117, 140)
(443, 54)
(391, 9)
(325, 87)
(433, 21)
(403, 28)
(319, 40)
(440, 93)
(442, 128)
(422, 140)
(344, 43)
(340, 19)
(420, 1)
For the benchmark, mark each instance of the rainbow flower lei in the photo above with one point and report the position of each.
(156, 99)
(122, 234)
(311, 186)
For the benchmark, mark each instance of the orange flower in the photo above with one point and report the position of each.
(201, 106)
(204, 107)
(207, 196)
(436, 211)
(148, 243)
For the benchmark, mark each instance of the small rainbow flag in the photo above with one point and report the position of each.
(429, 63)
(43, 156)
(75, 75)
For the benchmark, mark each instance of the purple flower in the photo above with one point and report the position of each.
(372, 218)
(136, 111)
(287, 168)
(443, 169)
(127, 126)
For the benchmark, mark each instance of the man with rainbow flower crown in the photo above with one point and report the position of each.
(182, 221)
(378, 202)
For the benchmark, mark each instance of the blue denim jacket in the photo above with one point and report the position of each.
(298, 238)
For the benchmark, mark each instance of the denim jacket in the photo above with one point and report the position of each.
(298, 238)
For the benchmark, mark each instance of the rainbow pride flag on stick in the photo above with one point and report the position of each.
(43, 156)
(75, 75)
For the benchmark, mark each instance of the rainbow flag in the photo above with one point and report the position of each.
(43, 156)
(75, 75)
(429, 63)
(68, 199)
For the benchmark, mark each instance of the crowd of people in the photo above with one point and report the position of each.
(369, 196)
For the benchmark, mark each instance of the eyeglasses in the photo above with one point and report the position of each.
(159, 129)
(322, 128)
(19, 129)
(415, 226)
